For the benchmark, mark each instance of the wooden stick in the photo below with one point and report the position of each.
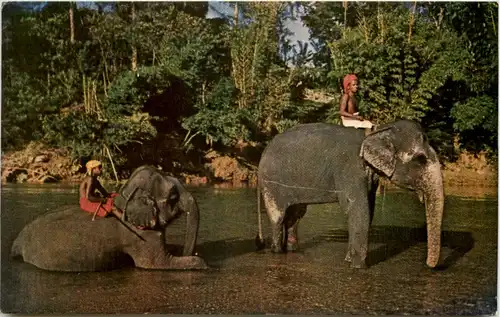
(126, 224)
(97, 209)
(118, 216)
(112, 164)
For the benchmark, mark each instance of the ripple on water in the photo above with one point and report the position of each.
(315, 280)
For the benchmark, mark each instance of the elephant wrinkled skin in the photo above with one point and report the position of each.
(68, 239)
(152, 199)
(324, 163)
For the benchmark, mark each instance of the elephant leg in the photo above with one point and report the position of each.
(372, 194)
(355, 203)
(276, 216)
(293, 215)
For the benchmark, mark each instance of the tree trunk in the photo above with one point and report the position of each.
(71, 24)
(412, 20)
(236, 13)
(134, 47)
(345, 13)
(203, 89)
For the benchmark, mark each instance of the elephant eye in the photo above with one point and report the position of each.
(420, 158)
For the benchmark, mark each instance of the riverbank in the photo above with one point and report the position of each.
(39, 164)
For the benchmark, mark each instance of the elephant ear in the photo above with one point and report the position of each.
(378, 151)
(169, 194)
(171, 191)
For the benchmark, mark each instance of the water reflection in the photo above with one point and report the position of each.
(315, 280)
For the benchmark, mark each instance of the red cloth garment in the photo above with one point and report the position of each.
(91, 207)
(347, 79)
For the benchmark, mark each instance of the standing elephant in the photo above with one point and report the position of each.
(68, 240)
(323, 163)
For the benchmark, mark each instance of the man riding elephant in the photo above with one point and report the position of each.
(100, 204)
(348, 110)
(67, 240)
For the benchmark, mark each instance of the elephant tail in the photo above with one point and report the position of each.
(259, 240)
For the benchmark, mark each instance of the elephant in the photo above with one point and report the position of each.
(152, 199)
(318, 163)
(69, 239)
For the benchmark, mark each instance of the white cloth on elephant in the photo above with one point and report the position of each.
(354, 123)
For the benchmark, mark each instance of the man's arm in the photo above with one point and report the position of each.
(344, 103)
(101, 189)
(91, 190)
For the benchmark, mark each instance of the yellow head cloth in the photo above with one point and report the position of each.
(91, 165)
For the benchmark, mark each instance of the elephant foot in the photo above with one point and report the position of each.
(292, 244)
(348, 257)
(188, 263)
(275, 248)
(355, 261)
(358, 265)
(260, 243)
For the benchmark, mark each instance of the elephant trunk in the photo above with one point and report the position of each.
(188, 204)
(433, 194)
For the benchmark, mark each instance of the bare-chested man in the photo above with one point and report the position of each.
(349, 105)
(99, 203)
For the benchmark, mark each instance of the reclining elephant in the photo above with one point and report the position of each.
(68, 240)
(324, 163)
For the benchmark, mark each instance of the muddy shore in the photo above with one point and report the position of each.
(39, 164)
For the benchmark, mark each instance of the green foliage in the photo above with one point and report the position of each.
(22, 103)
(216, 119)
(475, 112)
(123, 122)
(130, 90)
(477, 121)
(231, 79)
(433, 66)
(398, 74)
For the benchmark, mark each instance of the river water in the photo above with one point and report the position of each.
(314, 280)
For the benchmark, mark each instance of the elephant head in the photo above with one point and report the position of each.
(402, 153)
(179, 201)
(167, 198)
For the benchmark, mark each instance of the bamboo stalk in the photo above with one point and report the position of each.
(345, 14)
(412, 20)
(441, 15)
(96, 102)
(191, 137)
(85, 95)
(492, 20)
(71, 24)
(104, 81)
(254, 61)
(236, 14)
(134, 47)
(112, 164)
(203, 89)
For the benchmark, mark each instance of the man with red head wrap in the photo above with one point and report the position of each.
(349, 105)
